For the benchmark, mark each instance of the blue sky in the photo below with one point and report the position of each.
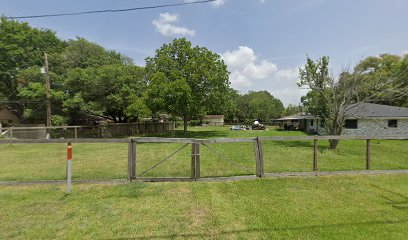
(262, 41)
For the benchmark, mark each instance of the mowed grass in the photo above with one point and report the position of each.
(104, 161)
(336, 207)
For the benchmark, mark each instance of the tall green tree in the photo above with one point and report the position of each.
(22, 47)
(315, 75)
(258, 105)
(186, 81)
(81, 53)
(328, 98)
(293, 109)
(32, 95)
(383, 73)
(116, 92)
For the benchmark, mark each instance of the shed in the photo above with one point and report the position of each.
(7, 117)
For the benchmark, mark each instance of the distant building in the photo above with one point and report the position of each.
(214, 120)
(81, 118)
(7, 118)
(374, 119)
(304, 122)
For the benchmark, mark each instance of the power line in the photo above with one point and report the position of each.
(112, 10)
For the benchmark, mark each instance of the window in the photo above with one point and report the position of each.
(392, 123)
(311, 122)
(351, 124)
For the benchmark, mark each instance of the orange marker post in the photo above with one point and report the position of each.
(69, 167)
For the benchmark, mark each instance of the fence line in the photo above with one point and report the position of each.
(133, 158)
(193, 140)
(98, 131)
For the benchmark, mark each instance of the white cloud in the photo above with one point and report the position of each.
(239, 57)
(165, 25)
(248, 72)
(219, 3)
(216, 3)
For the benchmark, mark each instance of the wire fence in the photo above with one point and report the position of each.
(171, 158)
(98, 131)
(227, 159)
(163, 160)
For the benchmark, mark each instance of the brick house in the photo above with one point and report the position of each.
(374, 119)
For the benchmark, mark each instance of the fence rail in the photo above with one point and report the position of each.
(202, 149)
(98, 131)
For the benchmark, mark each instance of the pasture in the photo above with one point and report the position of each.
(335, 207)
(322, 207)
(106, 161)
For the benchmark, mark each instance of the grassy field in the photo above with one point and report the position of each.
(109, 161)
(325, 207)
(336, 207)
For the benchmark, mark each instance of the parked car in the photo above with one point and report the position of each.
(240, 127)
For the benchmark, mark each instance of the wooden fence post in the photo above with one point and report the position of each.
(195, 160)
(315, 155)
(259, 158)
(132, 160)
(368, 155)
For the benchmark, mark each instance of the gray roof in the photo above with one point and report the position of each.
(370, 110)
(297, 117)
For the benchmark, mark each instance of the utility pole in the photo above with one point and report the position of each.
(47, 84)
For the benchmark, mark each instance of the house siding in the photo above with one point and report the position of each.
(377, 127)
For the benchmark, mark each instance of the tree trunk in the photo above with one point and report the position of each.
(333, 143)
(336, 130)
(185, 125)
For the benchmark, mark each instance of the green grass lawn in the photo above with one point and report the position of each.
(109, 161)
(335, 207)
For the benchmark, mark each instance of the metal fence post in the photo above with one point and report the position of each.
(193, 160)
(69, 167)
(315, 156)
(368, 155)
(76, 132)
(197, 160)
(259, 158)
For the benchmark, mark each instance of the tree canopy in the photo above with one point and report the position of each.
(374, 79)
(21, 47)
(186, 81)
(113, 91)
(258, 105)
(84, 77)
